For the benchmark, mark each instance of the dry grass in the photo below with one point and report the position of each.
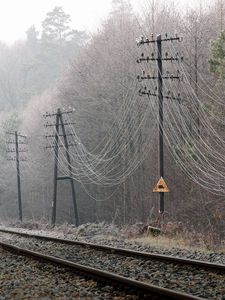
(183, 238)
(164, 242)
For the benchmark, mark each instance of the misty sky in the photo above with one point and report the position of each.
(16, 16)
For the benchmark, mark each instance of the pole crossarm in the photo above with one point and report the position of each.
(149, 77)
(46, 115)
(53, 146)
(144, 40)
(52, 135)
(53, 125)
(19, 142)
(63, 177)
(149, 59)
(14, 150)
(149, 93)
(18, 134)
(13, 159)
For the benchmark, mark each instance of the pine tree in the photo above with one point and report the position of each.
(56, 26)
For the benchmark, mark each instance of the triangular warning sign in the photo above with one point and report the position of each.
(161, 187)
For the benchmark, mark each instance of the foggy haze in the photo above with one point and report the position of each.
(17, 16)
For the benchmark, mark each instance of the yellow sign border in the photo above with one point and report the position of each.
(161, 187)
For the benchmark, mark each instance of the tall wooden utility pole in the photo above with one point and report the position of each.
(60, 124)
(17, 142)
(161, 186)
(18, 176)
(161, 132)
(56, 152)
(69, 169)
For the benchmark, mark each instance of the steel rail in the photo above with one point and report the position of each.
(122, 251)
(138, 285)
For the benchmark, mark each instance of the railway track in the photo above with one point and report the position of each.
(166, 276)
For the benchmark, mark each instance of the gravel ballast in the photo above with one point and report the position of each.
(107, 234)
(199, 282)
(23, 278)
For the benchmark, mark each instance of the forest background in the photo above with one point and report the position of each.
(61, 67)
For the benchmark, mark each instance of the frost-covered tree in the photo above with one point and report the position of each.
(56, 26)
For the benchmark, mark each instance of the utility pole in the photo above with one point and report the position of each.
(60, 124)
(70, 170)
(161, 187)
(18, 176)
(17, 142)
(161, 132)
(56, 151)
